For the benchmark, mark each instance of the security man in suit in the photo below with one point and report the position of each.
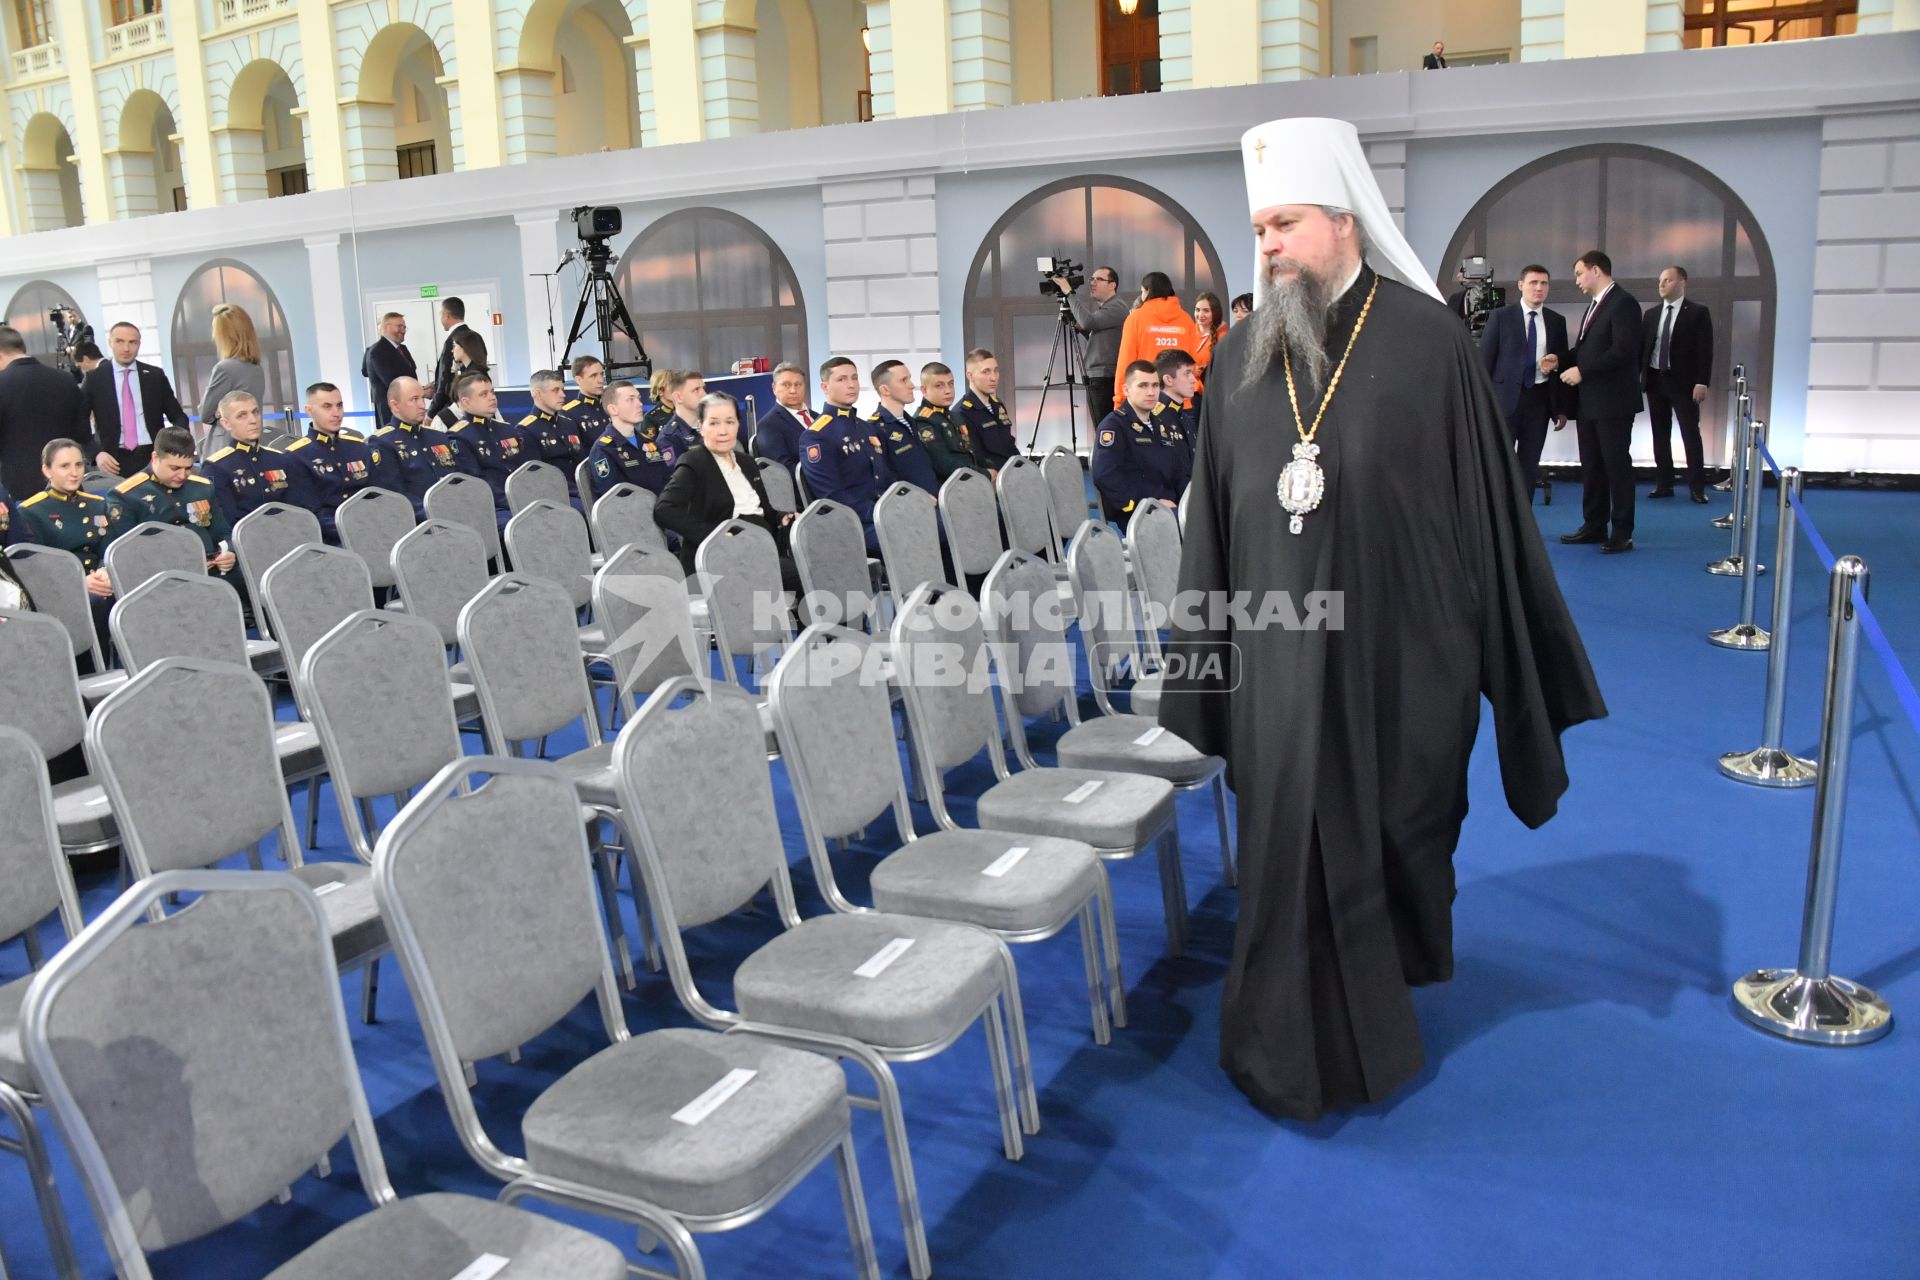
(630, 450)
(169, 492)
(1173, 413)
(491, 449)
(1135, 460)
(1677, 338)
(553, 438)
(1605, 373)
(981, 410)
(582, 411)
(900, 437)
(338, 463)
(246, 474)
(1523, 347)
(842, 457)
(414, 454)
(948, 442)
(777, 435)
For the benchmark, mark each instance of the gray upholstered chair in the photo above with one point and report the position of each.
(1067, 506)
(1153, 555)
(58, 584)
(583, 484)
(40, 694)
(906, 520)
(836, 578)
(971, 516)
(623, 516)
(802, 491)
(437, 567)
(38, 884)
(186, 1114)
(306, 594)
(872, 988)
(186, 809)
(369, 524)
(779, 485)
(739, 570)
(1022, 487)
(264, 536)
(1119, 814)
(465, 499)
(549, 540)
(535, 481)
(146, 549)
(835, 719)
(640, 597)
(488, 892)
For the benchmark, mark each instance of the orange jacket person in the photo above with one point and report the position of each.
(1158, 324)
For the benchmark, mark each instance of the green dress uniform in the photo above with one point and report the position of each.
(141, 499)
(947, 440)
(77, 522)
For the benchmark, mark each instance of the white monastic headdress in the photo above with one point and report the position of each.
(1310, 160)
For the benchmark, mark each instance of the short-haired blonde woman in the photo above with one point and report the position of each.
(239, 369)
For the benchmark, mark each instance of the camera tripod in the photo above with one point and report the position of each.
(1070, 358)
(609, 312)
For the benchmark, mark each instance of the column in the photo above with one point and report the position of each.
(880, 56)
(192, 124)
(126, 293)
(1543, 30)
(1602, 28)
(674, 64)
(1176, 44)
(643, 89)
(1289, 40)
(1666, 26)
(240, 159)
(539, 251)
(326, 143)
(1226, 43)
(729, 89)
(473, 101)
(1863, 397)
(1388, 160)
(76, 50)
(330, 321)
(526, 113)
(922, 78)
(883, 289)
(982, 60)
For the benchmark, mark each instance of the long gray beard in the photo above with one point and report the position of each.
(1292, 316)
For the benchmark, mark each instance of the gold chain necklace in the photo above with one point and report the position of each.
(1302, 483)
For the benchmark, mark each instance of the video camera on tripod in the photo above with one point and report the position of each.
(1067, 361)
(1067, 269)
(1483, 296)
(596, 225)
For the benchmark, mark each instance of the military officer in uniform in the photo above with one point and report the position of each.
(246, 474)
(67, 517)
(981, 410)
(1134, 460)
(1179, 382)
(492, 449)
(841, 456)
(630, 450)
(583, 411)
(900, 437)
(676, 418)
(415, 455)
(338, 463)
(168, 492)
(948, 440)
(553, 438)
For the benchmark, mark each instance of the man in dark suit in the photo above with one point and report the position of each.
(453, 318)
(1678, 362)
(1605, 372)
(1523, 348)
(130, 401)
(777, 434)
(1437, 60)
(386, 360)
(38, 403)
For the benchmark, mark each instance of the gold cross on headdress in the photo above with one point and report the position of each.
(1259, 150)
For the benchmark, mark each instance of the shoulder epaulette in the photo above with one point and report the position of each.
(819, 424)
(528, 421)
(82, 497)
(607, 439)
(301, 443)
(571, 404)
(202, 479)
(875, 416)
(132, 482)
(352, 435)
(926, 411)
(966, 404)
(40, 496)
(223, 453)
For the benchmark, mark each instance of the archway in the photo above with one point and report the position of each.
(1648, 209)
(194, 355)
(707, 288)
(49, 176)
(399, 123)
(261, 151)
(28, 310)
(143, 171)
(787, 71)
(1098, 220)
(574, 88)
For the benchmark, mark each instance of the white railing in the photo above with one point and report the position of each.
(232, 11)
(40, 58)
(142, 35)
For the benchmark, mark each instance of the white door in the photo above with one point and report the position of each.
(425, 336)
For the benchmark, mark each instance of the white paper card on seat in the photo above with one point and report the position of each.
(878, 962)
(1150, 737)
(326, 889)
(709, 1102)
(484, 1267)
(1006, 861)
(1082, 791)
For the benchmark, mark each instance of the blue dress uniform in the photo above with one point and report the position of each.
(842, 459)
(494, 450)
(249, 476)
(906, 452)
(675, 431)
(990, 424)
(413, 459)
(77, 522)
(556, 441)
(1135, 460)
(1171, 415)
(337, 467)
(642, 460)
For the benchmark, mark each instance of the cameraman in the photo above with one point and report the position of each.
(1100, 318)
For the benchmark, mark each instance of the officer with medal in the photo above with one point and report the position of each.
(583, 412)
(676, 419)
(554, 439)
(980, 408)
(414, 454)
(630, 450)
(65, 516)
(168, 492)
(948, 442)
(1134, 460)
(493, 449)
(841, 456)
(900, 437)
(246, 474)
(338, 463)
(1179, 382)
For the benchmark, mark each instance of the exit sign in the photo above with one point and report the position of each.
(429, 290)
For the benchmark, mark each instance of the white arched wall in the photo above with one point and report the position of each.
(787, 68)
(531, 39)
(593, 84)
(138, 156)
(374, 40)
(49, 184)
(239, 73)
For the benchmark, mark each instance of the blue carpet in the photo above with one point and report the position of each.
(1590, 1108)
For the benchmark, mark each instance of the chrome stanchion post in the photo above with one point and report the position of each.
(1744, 634)
(1769, 764)
(1737, 453)
(1807, 1002)
(1734, 392)
(1728, 566)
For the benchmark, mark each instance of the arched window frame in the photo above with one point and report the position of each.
(27, 311)
(194, 354)
(775, 315)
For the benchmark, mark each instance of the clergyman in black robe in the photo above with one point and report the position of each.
(1348, 742)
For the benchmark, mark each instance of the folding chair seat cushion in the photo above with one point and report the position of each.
(96, 688)
(1112, 743)
(439, 1234)
(353, 917)
(805, 978)
(940, 875)
(608, 1123)
(1145, 695)
(591, 772)
(299, 746)
(13, 1062)
(1125, 812)
(81, 811)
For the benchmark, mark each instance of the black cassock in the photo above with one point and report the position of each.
(1348, 747)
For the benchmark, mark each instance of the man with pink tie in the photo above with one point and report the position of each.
(130, 400)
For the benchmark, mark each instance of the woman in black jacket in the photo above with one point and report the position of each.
(716, 482)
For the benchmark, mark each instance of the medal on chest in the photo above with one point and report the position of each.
(1302, 483)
